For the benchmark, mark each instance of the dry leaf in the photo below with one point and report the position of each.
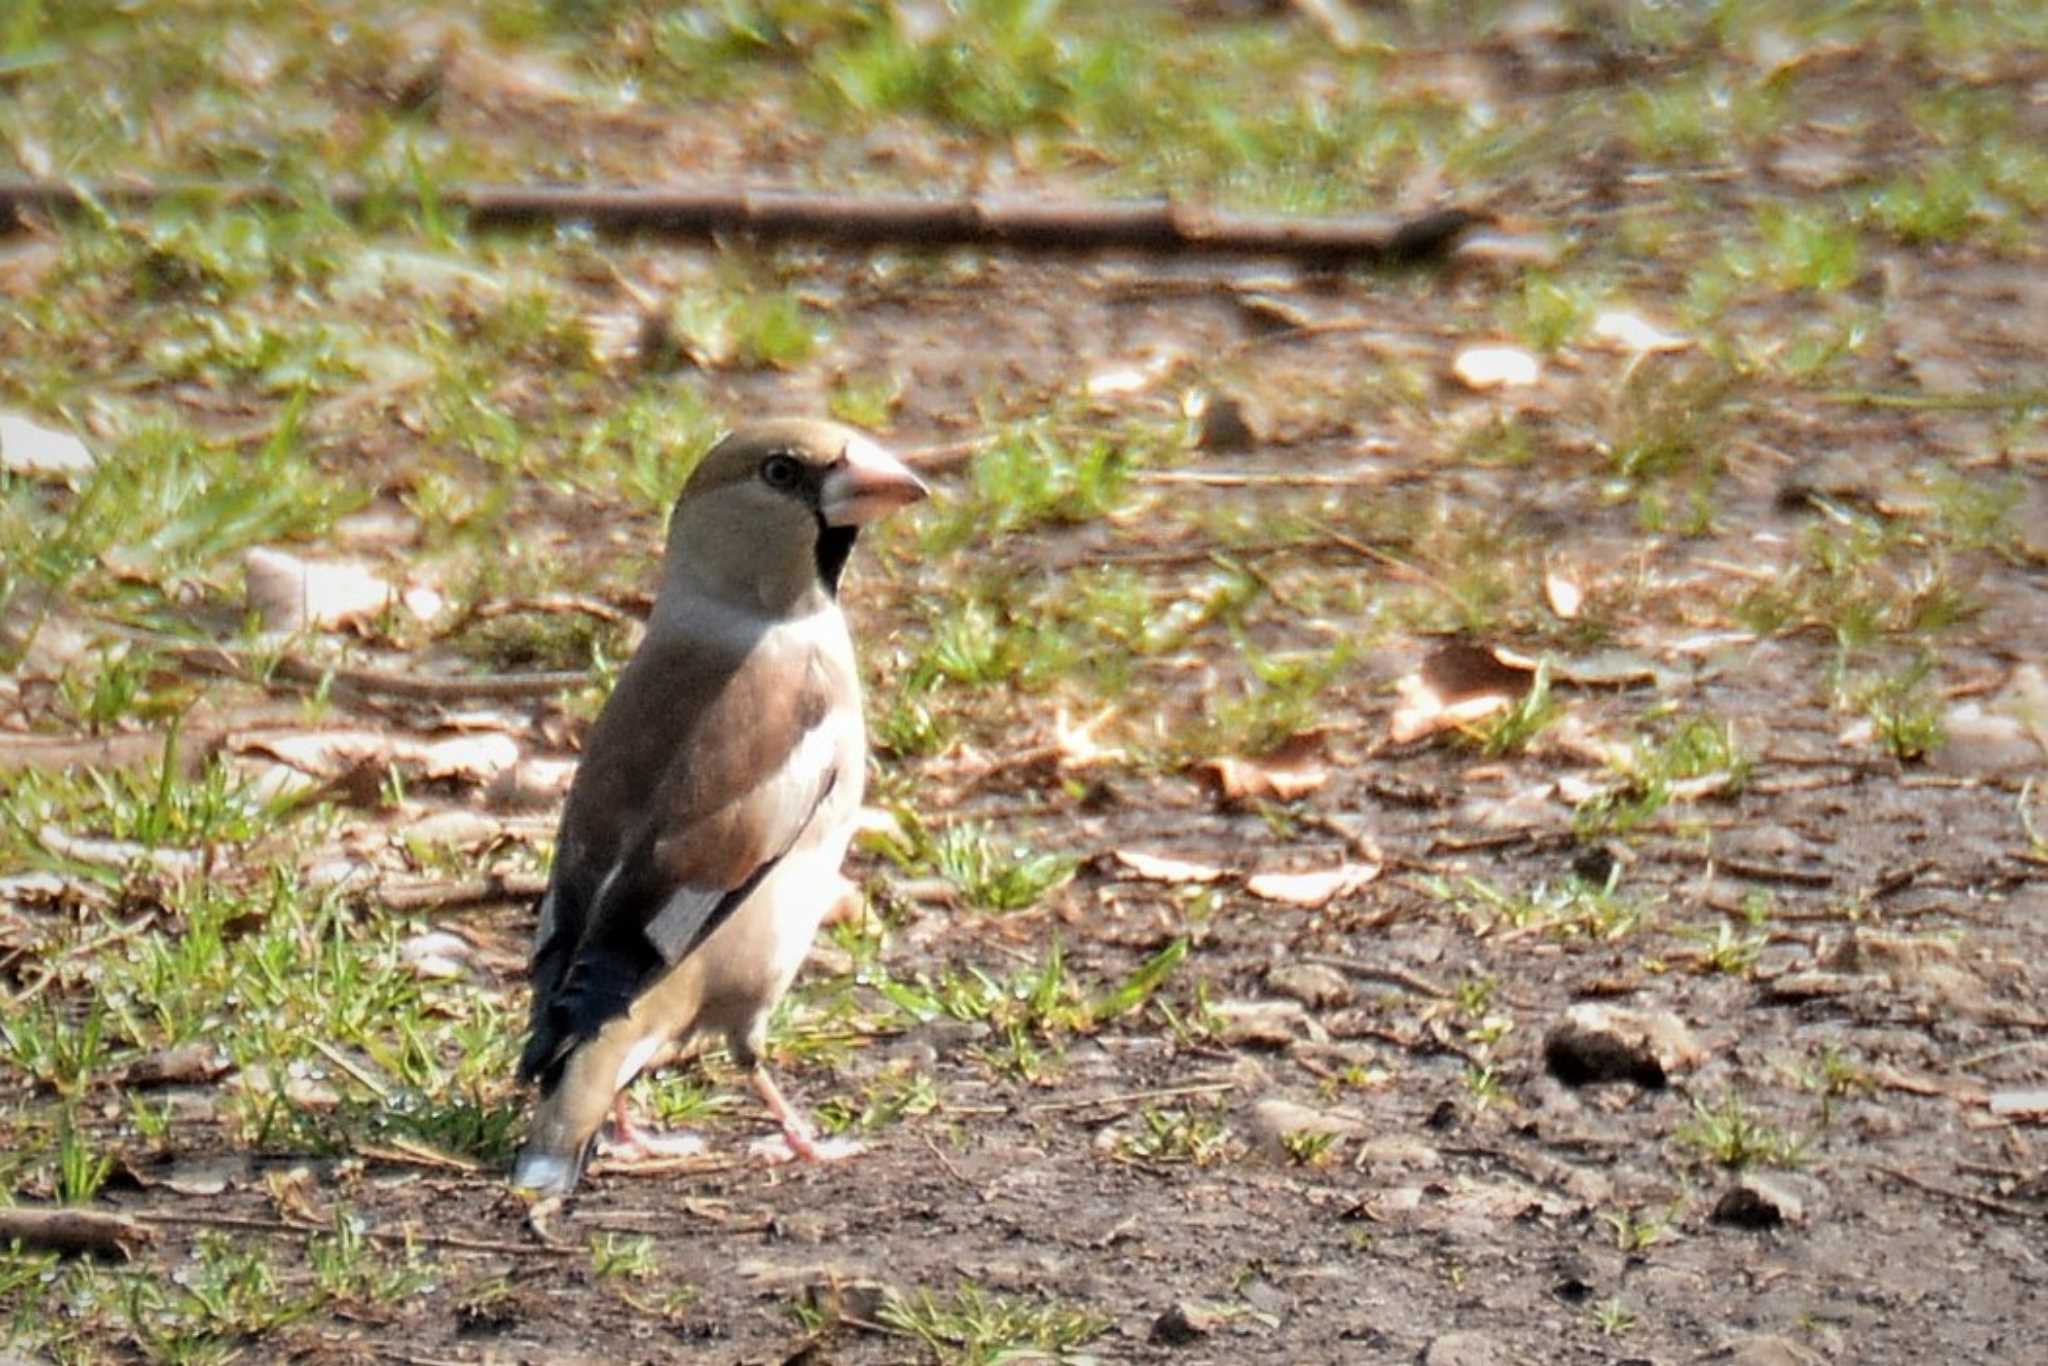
(335, 754)
(1421, 712)
(291, 1084)
(423, 602)
(2007, 732)
(1109, 383)
(485, 77)
(456, 828)
(1337, 21)
(1226, 421)
(1496, 367)
(382, 271)
(1576, 791)
(473, 758)
(1458, 671)
(290, 594)
(1125, 380)
(355, 873)
(1161, 868)
(531, 783)
(25, 265)
(1627, 332)
(1076, 744)
(293, 1196)
(1457, 685)
(39, 452)
(35, 889)
(1294, 770)
(187, 1064)
(1311, 889)
(436, 955)
(322, 753)
(248, 59)
(2028, 1101)
(1580, 738)
(119, 853)
(1564, 596)
(273, 782)
(1708, 642)
(40, 634)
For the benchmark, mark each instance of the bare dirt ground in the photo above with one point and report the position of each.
(1343, 1131)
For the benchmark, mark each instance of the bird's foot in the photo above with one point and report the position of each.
(797, 1139)
(777, 1149)
(648, 1145)
(624, 1142)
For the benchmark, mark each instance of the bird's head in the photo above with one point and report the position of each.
(771, 512)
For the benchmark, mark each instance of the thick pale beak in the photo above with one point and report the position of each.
(865, 483)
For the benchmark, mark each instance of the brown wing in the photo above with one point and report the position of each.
(701, 774)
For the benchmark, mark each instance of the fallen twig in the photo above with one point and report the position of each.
(463, 893)
(857, 220)
(1137, 1097)
(426, 688)
(404, 1152)
(693, 1164)
(1374, 972)
(1237, 479)
(935, 459)
(402, 1237)
(1743, 868)
(57, 753)
(1983, 1202)
(952, 1169)
(1992, 399)
(352, 1067)
(74, 1232)
(554, 603)
(1898, 879)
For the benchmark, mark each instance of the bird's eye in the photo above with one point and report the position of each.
(781, 472)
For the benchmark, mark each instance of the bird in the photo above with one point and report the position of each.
(703, 835)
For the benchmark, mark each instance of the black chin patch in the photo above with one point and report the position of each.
(835, 543)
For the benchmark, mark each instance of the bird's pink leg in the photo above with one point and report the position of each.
(628, 1142)
(798, 1139)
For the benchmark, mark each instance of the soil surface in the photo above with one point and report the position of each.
(1840, 949)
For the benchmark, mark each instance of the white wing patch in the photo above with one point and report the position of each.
(635, 1059)
(788, 800)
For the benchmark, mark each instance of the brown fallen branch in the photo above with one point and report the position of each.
(1379, 972)
(950, 456)
(848, 220)
(405, 1153)
(1207, 1088)
(1293, 479)
(74, 1232)
(462, 894)
(1751, 871)
(418, 687)
(564, 603)
(58, 753)
(196, 746)
(1982, 1202)
(402, 1237)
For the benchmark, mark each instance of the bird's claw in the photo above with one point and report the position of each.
(777, 1149)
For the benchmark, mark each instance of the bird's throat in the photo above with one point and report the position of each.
(835, 544)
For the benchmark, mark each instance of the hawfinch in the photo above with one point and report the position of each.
(704, 832)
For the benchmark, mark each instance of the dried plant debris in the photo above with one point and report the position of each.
(1511, 766)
